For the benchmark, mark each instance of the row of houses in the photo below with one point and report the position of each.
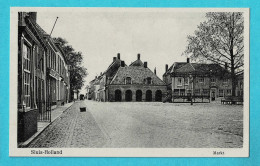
(137, 82)
(43, 75)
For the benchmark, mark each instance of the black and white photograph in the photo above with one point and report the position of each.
(129, 82)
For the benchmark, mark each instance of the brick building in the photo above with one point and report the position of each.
(39, 60)
(185, 78)
(135, 82)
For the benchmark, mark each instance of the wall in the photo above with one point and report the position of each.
(134, 88)
(207, 84)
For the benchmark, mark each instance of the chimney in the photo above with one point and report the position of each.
(122, 63)
(155, 71)
(226, 66)
(166, 67)
(33, 16)
(114, 59)
(96, 77)
(145, 64)
(188, 60)
(100, 73)
(118, 55)
(138, 56)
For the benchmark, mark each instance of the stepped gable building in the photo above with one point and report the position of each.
(135, 82)
(185, 78)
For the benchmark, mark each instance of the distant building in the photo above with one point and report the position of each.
(185, 78)
(135, 82)
(240, 85)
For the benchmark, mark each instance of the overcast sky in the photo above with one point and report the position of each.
(159, 36)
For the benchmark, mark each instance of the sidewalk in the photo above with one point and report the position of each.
(56, 112)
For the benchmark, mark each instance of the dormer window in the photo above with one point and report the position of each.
(213, 80)
(201, 80)
(179, 82)
(149, 80)
(128, 80)
(225, 80)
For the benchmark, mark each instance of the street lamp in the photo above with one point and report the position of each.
(191, 81)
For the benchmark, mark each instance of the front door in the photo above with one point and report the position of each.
(213, 95)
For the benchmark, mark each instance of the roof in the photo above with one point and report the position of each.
(137, 73)
(187, 68)
(175, 65)
(138, 62)
(113, 67)
(199, 68)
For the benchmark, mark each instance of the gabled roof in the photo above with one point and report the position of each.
(113, 67)
(199, 68)
(137, 73)
(175, 65)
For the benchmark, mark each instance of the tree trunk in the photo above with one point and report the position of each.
(233, 76)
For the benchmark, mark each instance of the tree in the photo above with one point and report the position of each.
(220, 39)
(74, 60)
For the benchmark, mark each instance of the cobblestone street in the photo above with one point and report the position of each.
(142, 124)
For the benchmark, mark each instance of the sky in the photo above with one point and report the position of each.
(159, 35)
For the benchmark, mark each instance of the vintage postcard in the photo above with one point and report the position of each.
(129, 82)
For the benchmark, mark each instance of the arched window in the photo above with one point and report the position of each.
(128, 80)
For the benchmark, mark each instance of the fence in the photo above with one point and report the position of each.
(188, 98)
(44, 114)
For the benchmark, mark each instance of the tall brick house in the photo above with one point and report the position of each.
(43, 76)
(135, 82)
(185, 78)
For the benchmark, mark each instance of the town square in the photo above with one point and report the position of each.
(131, 79)
(145, 125)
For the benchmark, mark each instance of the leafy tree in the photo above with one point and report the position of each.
(74, 60)
(220, 40)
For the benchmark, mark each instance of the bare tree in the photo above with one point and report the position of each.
(220, 39)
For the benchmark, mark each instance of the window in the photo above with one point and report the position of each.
(176, 91)
(201, 80)
(205, 92)
(197, 92)
(39, 59)
(225, 80)
(213, 80)
(182, 92)
(186, 81)
(128, 80)
(221, 93)
(179, 82)
(241, 85)
(149, 80)
(27, 75)
(229, 92)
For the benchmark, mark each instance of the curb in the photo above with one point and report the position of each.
(32, 138)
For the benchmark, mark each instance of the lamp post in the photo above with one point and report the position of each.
(191, 81)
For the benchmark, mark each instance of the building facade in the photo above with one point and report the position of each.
(185, 78)
(135, 82)
(34, 75)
